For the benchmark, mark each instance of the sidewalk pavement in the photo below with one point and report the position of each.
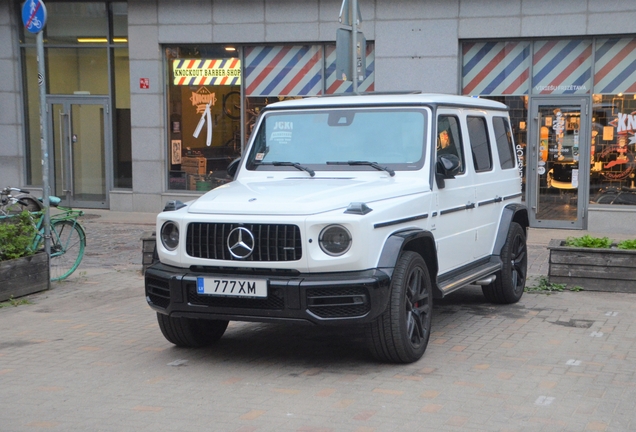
(88, 355)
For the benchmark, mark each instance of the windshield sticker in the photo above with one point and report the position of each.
(260, 156)
(282, 132)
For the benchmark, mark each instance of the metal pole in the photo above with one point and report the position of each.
(44, 127)
(354, 44)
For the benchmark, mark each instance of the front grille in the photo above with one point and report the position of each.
(275, 300)
(338, 302)
(272, 242)
(158, 292)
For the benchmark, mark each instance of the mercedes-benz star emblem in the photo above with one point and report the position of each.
(240, 242)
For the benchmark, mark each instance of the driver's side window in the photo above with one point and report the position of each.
(449, 138)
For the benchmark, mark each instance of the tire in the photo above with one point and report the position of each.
(191, 333)
(25, 202)
(401, 333)
(511, 279)
(67, 248)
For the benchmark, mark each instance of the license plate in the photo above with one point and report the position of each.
(229, 287)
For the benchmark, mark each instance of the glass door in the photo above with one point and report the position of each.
(79, 137)
(558, 162)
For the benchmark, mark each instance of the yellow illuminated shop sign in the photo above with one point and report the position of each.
(207, 72)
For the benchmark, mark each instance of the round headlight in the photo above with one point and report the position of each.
(335, 240)
(170, 235)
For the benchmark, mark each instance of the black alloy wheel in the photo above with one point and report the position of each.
(511, 280)
(401, 333)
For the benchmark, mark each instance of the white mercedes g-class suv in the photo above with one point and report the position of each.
(349, 210)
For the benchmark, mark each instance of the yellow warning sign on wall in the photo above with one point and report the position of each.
(207, 72)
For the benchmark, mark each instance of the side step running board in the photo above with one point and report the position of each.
(459, 281)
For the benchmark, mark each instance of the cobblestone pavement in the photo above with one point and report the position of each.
(88, 356)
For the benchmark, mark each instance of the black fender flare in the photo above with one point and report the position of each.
(416, 240)
(514, 212)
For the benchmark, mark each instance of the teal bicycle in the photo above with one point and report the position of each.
(68, 238)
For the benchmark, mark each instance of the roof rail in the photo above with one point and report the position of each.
(374, 93)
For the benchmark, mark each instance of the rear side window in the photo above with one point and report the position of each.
(449, 138)
(504, 142)
(479, 143)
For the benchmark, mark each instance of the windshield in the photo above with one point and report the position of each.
(340, 139)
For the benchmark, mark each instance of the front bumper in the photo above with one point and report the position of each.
(326, 298)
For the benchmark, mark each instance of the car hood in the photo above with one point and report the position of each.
(294, 196)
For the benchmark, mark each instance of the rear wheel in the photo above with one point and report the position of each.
(67, 248)
(189, 332)
(511, 280)
(401, 333)
(24, 202)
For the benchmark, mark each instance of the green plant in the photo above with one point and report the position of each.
(544, 286)
(627, 244)
(587, 241)
(14, 302)
(16, 235)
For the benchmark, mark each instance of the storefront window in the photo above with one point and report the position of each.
(77, 71)
(122, 148)
(32, 116)
(613, 145)
(500, 70)
(204, 107)
(613, 170)
(562, 67)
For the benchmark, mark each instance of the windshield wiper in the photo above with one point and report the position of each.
(295, 165)
(371, 164)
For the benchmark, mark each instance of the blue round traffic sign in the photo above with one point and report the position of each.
(34, 15)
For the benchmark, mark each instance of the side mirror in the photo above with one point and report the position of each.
(447, 166)
(232, 168)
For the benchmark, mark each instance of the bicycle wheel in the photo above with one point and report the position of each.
(24, 202)
(232, 105)
(67, 248)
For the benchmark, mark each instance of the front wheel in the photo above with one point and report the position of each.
(67, 248)
(191, 333)
(511, 279)
(401, 333)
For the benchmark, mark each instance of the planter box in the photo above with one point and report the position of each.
(593, 269)
(23, 276)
